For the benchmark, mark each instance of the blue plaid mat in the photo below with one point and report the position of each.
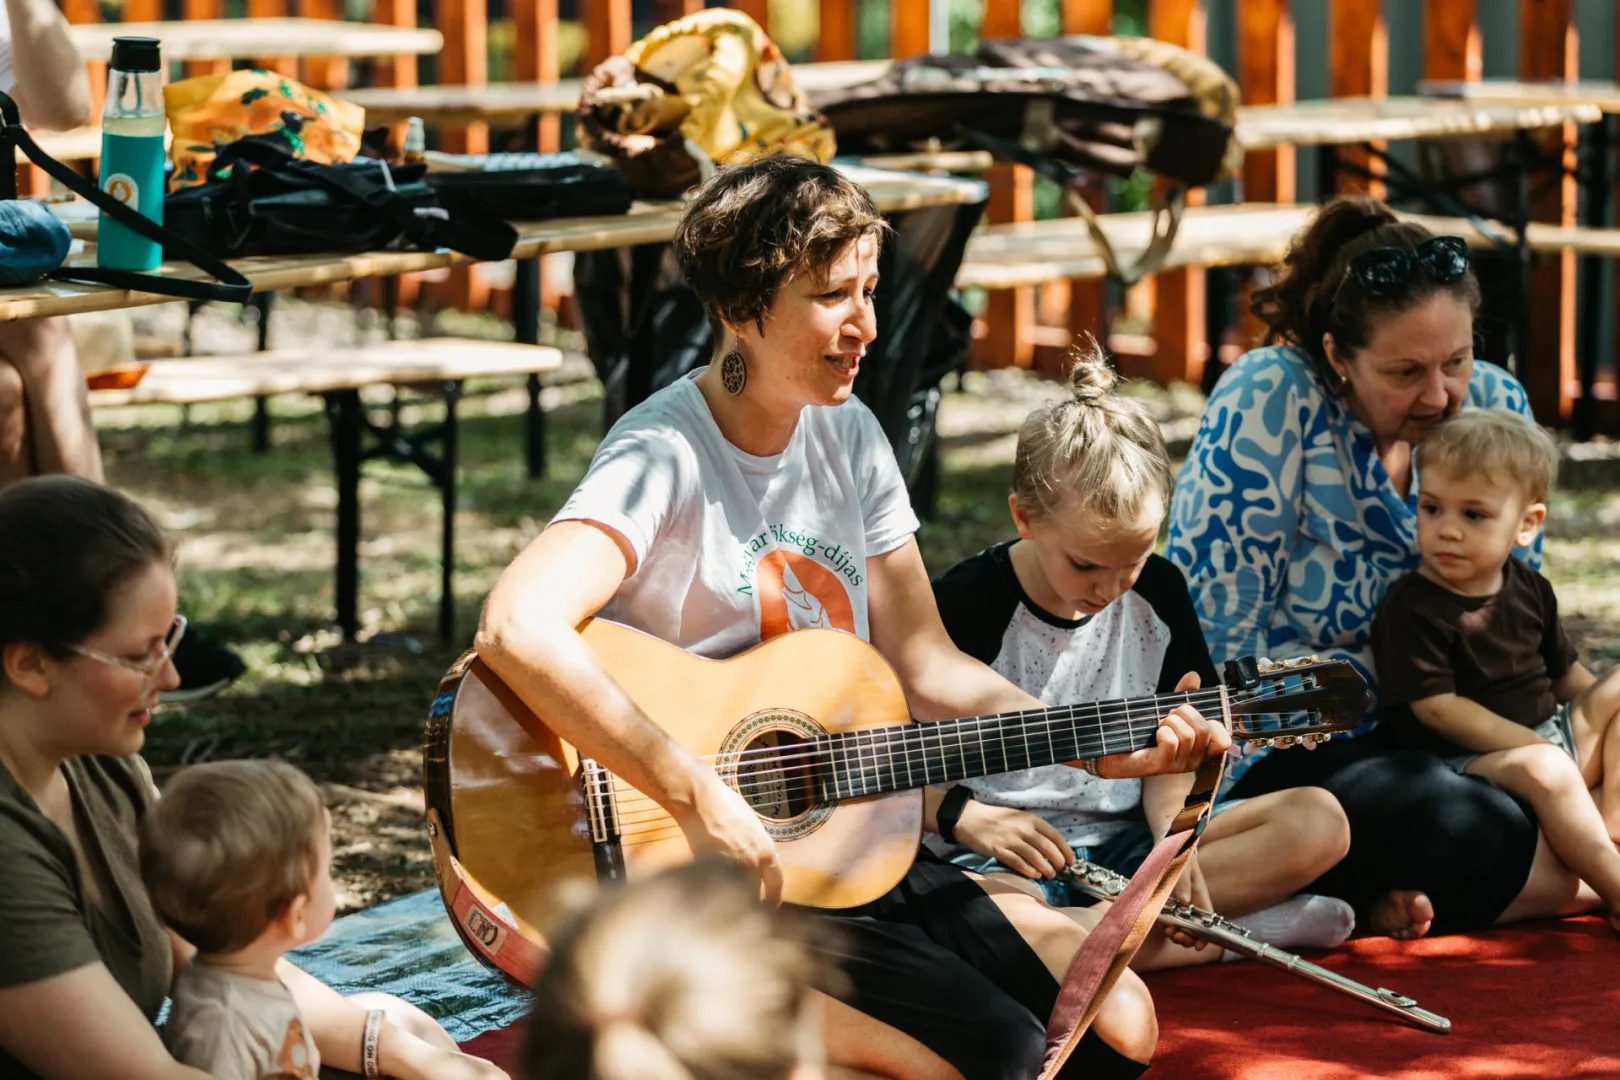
(407, 947)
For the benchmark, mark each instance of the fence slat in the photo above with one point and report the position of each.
(1451, 43)
(272, 9)
(1549, 49)
(836, 39)
(607, 29)
(1088, 298)
(908, 33)
(758, 10)
(1179, 323)
(204, 9)
(670, 10)
(536, 59)
(1358, 66)
(1009, 316)
(324, 72)
(394, 70)
(1265, 62)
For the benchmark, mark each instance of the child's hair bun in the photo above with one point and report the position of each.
(1090, 376)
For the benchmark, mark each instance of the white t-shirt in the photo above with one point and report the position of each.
(1139, 645)
(238, 1028)
(733, 549)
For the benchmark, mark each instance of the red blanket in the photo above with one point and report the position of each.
(1535, 1001)
(1526, 1003)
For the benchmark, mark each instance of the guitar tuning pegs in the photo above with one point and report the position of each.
(1260, 742)
(1287, 740)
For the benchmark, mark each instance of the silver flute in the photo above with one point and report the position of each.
(1104, 884)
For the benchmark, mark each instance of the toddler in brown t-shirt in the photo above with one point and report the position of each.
(1472, 661)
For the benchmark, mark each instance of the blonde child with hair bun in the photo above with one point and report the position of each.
(682, 976)
(1473, 662)
(1079, 608)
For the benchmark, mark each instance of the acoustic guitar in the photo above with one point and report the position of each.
(810, 727)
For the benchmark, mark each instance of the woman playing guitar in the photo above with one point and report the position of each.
(755, 497)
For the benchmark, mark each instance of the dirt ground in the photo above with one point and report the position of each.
(256, 551)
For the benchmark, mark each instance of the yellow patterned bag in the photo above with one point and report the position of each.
(707, 88)
(211, 111)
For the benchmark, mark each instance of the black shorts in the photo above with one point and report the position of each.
(938, 960)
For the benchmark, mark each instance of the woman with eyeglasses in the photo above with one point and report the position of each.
(87, 633)
(1296, 509)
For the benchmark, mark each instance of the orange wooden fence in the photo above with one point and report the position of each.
(1358, 63)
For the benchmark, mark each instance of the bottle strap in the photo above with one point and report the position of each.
(230, 285)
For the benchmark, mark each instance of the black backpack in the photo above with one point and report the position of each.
(288, 206)
(1069, 107)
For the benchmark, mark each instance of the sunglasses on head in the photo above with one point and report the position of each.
(1387, 273)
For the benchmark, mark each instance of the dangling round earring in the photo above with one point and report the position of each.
(734, 373)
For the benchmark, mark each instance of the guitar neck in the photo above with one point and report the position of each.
(878, 760)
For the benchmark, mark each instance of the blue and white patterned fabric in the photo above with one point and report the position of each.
(1284, 521)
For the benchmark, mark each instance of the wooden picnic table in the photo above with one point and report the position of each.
(1602, 93)
(1344, 121)
(514, 103)
(646, 223)
(243, 39)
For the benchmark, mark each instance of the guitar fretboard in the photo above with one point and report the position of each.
(878, 760)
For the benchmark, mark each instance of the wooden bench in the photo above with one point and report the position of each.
(1237, 234)
(338, 375)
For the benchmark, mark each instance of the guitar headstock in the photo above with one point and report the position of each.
(1290, 702)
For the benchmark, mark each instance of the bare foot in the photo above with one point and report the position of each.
(1404, 914)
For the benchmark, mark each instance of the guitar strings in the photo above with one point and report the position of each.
(813, 757)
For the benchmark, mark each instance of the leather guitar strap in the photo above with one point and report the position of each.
(1114, 941)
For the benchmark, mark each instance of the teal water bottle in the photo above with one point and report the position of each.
(132, 126)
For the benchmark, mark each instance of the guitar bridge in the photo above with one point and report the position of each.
(601, 802)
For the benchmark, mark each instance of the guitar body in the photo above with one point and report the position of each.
(521, 811)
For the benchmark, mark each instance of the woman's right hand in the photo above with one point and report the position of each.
(719, 819)
(1018, 840)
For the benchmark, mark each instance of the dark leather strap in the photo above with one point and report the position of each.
(231, 286)
(1109, 947)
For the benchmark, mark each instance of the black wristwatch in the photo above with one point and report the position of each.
(950, 811)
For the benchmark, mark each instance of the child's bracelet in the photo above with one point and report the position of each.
(368, 1045)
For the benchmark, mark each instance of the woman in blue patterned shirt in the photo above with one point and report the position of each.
(1296, 510)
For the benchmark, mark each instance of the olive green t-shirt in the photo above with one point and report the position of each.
(48, 923)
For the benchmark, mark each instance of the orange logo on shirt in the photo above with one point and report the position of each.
(294, 1059)
(798, 593)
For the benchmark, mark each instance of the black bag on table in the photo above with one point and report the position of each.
(287, 206)
(1066, 106)
(544, 186)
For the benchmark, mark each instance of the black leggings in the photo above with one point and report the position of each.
(938, 960)
(1414, 824)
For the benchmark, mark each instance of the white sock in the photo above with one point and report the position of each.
(1303, 921)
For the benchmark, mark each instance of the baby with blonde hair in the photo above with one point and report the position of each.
(682, 976)
(1473, 662)
(1079, 608)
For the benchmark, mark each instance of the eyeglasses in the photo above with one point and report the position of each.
(148, 667)
(1387, 273)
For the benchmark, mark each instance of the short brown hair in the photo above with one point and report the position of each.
(65, 545)
(683, 974)
(751, 227)
(228, 847)
(1492, 443)
(1096, 452)
(1310, 298)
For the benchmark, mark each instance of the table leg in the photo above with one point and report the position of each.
(261, 406)
(447, 487)
(526, 330)
(1591, 318)
(1220, 291)
(346, 423)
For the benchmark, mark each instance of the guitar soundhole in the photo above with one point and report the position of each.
(776, 774)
